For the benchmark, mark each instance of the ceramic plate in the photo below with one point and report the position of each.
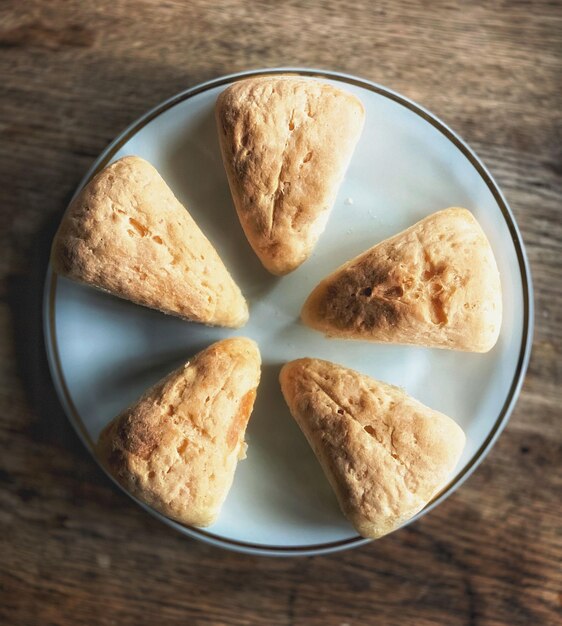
(105, 352)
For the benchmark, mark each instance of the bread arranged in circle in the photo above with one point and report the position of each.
(385, 454)
(127, 234)
(177, 448)
(436, 284)
(286, 143)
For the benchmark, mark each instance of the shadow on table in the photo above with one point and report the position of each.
(25, 299)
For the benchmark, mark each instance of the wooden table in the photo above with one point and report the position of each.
(75, 551)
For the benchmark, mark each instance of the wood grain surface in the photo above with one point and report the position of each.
(74, 551)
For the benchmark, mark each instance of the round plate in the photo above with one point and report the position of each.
(104, 352)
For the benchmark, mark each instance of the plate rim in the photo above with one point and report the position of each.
(49, 295)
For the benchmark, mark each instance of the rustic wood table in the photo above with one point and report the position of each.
(75, 551)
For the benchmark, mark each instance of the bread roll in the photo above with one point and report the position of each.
(286, 143)
(385, 454)
(127, 234)
(436, 284)
(177, 448)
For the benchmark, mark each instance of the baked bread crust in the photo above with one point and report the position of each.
(127, 234)
(177, 448)
(286, 143)
(436, 284)
(385, 454)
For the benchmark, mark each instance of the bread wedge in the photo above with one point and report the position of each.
(286, 143)
(385, 454)
(177, 448)
(436, 284)
(127, 234)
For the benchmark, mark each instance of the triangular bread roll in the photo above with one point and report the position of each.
(385, 454)
(286, 143)
(436, 284)
(127, 234)
(177, 448)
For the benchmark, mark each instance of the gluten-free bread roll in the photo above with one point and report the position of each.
(177, 448)
(127, 234)
(385, 454)
(286, 143)
(436, 284)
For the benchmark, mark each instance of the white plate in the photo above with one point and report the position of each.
(104, 352)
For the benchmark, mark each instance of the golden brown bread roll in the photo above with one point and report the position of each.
(385, 454)
(436, 284)
(177, 448)
(286, 143)
(127, 234)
